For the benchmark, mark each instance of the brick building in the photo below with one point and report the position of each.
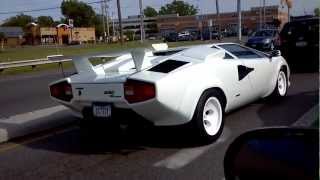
(13, 36)
(61, 34)
(250, 19)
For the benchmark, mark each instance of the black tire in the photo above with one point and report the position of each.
(277, 92)
(197, 122)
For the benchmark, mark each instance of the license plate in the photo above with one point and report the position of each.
(102, 110)
(253, 45)
(301, 44)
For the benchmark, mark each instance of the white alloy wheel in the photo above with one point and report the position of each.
(212, 116)
(282, 83)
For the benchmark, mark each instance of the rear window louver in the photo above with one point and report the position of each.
(166, 53)
(168, 66)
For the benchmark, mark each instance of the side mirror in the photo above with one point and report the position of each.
(275, 53)
(274, 153)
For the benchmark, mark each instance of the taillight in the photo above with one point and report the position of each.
(62, 91)
(138, 91)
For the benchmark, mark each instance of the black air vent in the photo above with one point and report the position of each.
(168, 66)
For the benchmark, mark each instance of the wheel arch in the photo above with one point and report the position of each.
(189, 106)
(221, 92)
(281, 66)
(286, 71)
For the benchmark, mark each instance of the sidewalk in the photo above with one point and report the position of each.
(32, 122)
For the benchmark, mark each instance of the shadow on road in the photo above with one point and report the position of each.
(104, 140)
(288, 110)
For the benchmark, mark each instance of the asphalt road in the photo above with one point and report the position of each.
(137, 152)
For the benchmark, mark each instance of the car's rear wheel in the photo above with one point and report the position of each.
(281, 86)
(208, 119)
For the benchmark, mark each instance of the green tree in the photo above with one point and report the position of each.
(317, 12)
(150, 12)
(45, 21)
(82, 14)
(2, 37)
(98, 25)
(178, 7)
(20, 20)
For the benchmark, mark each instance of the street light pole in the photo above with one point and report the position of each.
(141, 22)
(239, 19)
(120, 21)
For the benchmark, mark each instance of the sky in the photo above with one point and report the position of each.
(131, 7)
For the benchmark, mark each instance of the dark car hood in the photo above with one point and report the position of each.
(258, 39)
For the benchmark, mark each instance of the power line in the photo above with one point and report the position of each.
(42, 9)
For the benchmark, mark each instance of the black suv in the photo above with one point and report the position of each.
(299, 44)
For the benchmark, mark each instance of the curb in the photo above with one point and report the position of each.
(36, 121)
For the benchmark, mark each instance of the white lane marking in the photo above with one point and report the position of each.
(307, 118)
(186, 156)
(29, 116)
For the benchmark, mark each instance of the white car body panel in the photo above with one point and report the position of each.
(178, 91)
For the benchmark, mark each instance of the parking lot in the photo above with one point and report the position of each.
(137, 152)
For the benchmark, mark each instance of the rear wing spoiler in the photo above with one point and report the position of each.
(84, 66)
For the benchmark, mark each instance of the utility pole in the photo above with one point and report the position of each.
(260, 15)
(120, 21)
(113, 29)
(103, 21)
(264, 13)
(107, 15)
(239, 19)
(141, 22)
(218, 19)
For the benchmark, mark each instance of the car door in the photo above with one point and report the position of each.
(238, 84)
(261, 74)
(255, 69)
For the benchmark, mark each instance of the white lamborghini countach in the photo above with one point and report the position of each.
(195, 85)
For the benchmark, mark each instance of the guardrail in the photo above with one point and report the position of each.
(33, 63)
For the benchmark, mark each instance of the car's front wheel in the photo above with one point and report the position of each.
(282, 85)
(208, 119)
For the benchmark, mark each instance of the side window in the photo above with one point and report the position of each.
(241, 52)
(228, 56)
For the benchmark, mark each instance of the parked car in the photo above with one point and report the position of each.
(299, 44)
(193, 86)
(263, 40)
(185, 36)
(171, 37)
(214, 34)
